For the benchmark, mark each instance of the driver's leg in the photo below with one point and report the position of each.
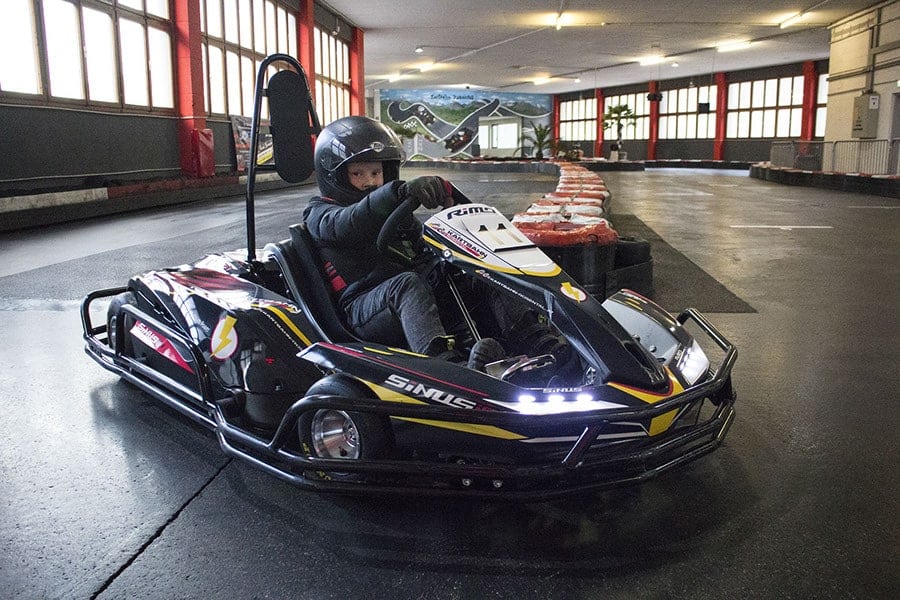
(402, 307)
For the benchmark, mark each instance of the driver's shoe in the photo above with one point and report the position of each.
(443, 347)
(485, 351)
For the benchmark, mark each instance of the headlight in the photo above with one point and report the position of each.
(540, 403)
(693, 363)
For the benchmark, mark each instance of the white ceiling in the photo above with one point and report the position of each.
(505, 45)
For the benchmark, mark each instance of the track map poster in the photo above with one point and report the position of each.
(446, 121)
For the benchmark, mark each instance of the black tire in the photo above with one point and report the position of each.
(115, 307)
(631, 251)
(349, 435)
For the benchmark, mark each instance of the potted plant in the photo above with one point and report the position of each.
(618, 116)
(540, 138)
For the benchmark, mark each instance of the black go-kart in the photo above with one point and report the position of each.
(249, 344)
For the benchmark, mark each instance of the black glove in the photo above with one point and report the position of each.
(430, 191)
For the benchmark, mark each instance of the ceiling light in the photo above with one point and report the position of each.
(732, 46)
(652, 59)
(541, 80)
(792, 20)
(419, 50)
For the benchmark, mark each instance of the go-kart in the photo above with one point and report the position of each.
(250, 344)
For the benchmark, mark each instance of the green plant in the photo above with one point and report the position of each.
(540, 138)
(618, 116)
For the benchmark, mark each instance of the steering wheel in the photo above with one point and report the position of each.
(388, 231)
(403, 211)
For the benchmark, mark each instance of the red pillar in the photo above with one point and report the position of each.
(653, 88)
(598, 145)
(810, 91)
(306, 49)
(721, 116)
(554, 118)
(357, 73)
(195, 140)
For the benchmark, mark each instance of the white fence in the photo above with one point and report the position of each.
(873, 157)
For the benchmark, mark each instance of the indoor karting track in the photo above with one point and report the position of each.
(106, 493)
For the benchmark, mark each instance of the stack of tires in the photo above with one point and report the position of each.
(571, 226)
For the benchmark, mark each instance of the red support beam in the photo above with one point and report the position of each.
(195, 140)
(357, 73)
(554, 118)
(810, 91)
(721, 116)
(598, 145)
(306, 49)
(653, 88)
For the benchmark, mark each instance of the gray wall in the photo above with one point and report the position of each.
(49, 148)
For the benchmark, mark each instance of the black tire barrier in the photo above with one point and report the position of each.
(637, 278)
(586, 263)
(631, 251)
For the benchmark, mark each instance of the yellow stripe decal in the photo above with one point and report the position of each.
(290, 324)
(662, 422)
(485, 430)
(377, 351)
(389, 395)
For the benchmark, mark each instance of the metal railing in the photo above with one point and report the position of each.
(872, 157)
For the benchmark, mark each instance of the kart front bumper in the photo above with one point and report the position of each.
(586, 465)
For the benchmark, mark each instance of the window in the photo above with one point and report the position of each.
(332, 76)
(688, 113)
(578, 120)
(237, 35)
(821, 102)
(765, 108)
(640, 127)
(110, 52)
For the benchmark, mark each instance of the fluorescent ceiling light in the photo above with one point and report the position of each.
(732, 46)
(793, 20)
(653, 59)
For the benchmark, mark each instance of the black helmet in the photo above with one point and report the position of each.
(354, 139)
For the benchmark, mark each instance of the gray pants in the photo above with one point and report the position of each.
(400, 311)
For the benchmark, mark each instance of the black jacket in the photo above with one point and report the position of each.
(346, 236)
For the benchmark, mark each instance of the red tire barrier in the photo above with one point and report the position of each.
(571, 234)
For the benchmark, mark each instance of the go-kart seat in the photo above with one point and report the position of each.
(305, 278)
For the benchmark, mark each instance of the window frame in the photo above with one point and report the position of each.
(640, 106)
(679, 113)
(578, 117)
(275, 30)
(755, 112)
(332, 75)
(117, 11)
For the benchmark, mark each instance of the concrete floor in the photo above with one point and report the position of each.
(105, 493)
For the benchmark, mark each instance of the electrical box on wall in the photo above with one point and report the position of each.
(865, 116)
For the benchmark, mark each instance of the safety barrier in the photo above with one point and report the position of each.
(873, 157)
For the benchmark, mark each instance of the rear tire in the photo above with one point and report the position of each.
(339, 434)
(115, 306)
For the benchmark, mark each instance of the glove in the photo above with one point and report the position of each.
(430, 191)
